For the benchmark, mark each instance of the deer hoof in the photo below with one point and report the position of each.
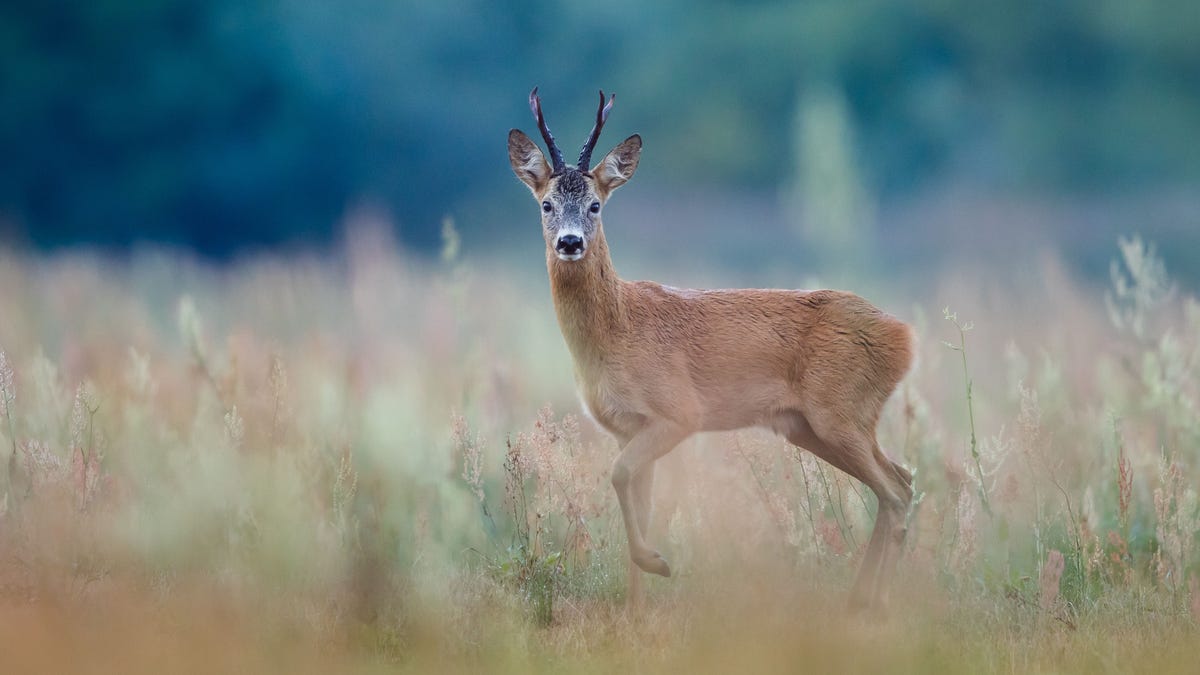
(653, 563)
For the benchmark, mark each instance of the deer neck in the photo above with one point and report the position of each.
(587, 301)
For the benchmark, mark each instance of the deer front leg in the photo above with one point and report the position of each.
(643, 485)
(646, 446)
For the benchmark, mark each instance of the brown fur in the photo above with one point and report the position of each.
(656, 364)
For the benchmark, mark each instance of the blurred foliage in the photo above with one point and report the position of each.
(216, 124)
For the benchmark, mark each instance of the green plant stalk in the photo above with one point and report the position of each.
(12, 431)
(987, 506)
(962, 350)
(763, 493)
(12, 437)
(808, 503)
(839, 518)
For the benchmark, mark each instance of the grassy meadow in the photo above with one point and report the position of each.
(369, 461)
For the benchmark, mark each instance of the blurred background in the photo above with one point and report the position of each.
(822, 133)
(280, 373)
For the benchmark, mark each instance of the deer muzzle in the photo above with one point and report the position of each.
(569, 247)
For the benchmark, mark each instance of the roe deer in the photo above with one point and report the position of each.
(655, 364)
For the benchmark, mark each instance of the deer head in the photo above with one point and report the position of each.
(571, 196)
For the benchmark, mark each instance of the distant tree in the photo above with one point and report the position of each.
(217, 123)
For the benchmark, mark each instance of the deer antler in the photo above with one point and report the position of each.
(535, 104)
(585, 153)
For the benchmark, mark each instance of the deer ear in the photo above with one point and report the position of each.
(528, 162)
(618, 166)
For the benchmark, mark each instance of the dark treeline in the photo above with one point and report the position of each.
(216, 124)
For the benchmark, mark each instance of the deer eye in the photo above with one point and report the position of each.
(546, 207)
(595, 207)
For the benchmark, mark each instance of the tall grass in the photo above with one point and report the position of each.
(370, 461)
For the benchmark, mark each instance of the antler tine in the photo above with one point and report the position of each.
(585, 153)
(535, 104)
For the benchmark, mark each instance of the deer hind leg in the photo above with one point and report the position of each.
(901, 488)
(803, 436)
(643, 448)
(643, 484)
(856, 453)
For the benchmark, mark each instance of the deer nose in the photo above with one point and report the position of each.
(569, 244)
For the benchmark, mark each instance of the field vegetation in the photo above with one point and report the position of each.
(370, 461)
